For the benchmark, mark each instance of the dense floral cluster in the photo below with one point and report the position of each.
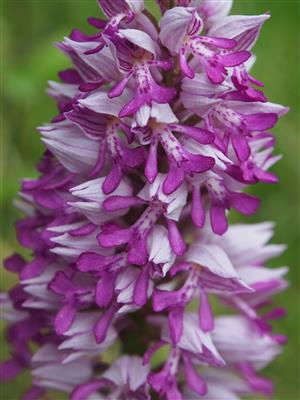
(160, 128)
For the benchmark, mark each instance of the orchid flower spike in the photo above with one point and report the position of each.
(160, 129)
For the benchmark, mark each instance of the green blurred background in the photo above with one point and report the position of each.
(28, 30)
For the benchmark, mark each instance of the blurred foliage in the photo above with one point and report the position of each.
(28, 30)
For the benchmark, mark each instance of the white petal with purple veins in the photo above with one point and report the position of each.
(174, 26)
(102, 104)
(140, 39)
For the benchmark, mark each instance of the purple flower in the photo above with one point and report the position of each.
(160, 129)
(180, 28)
(194, 347)
(180, 160)
(159, 204)
(127, 377)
